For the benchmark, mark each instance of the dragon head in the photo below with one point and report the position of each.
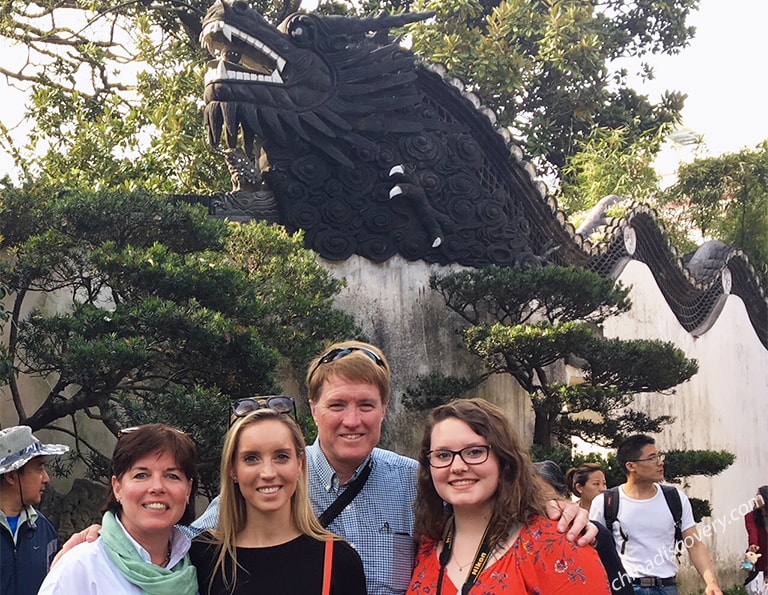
(306, 78)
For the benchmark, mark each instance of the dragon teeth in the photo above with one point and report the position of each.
(227, 31)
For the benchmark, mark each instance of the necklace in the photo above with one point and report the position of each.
(459, 564)
(167, 558)
(481, 558)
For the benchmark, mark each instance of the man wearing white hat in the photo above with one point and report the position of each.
(28, 541)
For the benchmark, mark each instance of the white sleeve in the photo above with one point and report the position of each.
(597, 510)
(687, 520)
(70, 575)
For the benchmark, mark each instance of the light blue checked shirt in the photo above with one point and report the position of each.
(378, 523)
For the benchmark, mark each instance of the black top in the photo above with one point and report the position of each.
(606, 548)
(293, 568)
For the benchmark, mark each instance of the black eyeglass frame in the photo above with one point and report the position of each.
(485, 447)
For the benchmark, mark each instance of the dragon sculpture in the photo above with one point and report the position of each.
(372, 151)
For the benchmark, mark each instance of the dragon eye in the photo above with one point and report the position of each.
(240, 6)
(301, 30)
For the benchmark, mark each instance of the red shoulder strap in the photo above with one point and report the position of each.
(327, 567)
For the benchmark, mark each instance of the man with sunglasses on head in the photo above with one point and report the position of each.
(643, 514)
(363, 493)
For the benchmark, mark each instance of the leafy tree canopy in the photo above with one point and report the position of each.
(116, 88)
(725, 198)
(163, 314)
(549, 68)
(526, 322)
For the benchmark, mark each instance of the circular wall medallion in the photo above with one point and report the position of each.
(630, 240)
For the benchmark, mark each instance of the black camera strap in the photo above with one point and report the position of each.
(484, 552)
(353, 489)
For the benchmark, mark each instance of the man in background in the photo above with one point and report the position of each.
(644, 530)
(28, 541)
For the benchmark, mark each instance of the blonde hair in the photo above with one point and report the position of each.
(232, 506)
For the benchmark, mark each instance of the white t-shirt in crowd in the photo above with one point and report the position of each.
(650, 530)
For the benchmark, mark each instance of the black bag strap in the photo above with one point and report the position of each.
(672, 496)
(611, 513)
(353, 489)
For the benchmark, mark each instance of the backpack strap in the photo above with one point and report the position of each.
(672, 496)
(611, 513)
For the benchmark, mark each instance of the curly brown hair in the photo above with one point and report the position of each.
(518, 496)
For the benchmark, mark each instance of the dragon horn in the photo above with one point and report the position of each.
(351, 26)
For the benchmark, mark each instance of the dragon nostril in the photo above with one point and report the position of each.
(232, 56)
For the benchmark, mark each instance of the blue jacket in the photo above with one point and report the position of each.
(23, 565)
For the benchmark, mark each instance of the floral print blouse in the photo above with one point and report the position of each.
(540, 562)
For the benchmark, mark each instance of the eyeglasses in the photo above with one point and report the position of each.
(657, 458)
(280, 403)
(471, 455)
(342, 352)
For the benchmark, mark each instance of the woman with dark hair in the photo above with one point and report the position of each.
(154, 478)
(268, 539)
(480, 513)
(757, 534)
(586, 481)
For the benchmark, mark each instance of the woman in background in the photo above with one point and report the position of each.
(757, 536)
(154, 477)
(586, 482)
(268, 539)
(555, 486)
(480, 514)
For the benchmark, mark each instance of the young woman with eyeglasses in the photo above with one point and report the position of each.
(268, 539)
(154, 477)
(480, 514)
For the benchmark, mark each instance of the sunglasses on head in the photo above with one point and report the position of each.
(280, 403)
(342, 352)
(124, 431)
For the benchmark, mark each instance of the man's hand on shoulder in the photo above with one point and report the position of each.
(86, 535)
(573, 520)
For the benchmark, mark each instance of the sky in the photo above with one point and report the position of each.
(722, 71)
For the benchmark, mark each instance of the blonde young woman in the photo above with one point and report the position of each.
(480, 514)
(268, 539)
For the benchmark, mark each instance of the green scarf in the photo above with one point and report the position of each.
(152, 579)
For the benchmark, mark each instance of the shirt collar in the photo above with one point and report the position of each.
(326, 472)
(179, 545)
(28, 514)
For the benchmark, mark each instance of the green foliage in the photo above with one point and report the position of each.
(506, 294)
(6, 362)
(725, 198)
(117, 114)
(165, 314)
(546, 67)
(607, 163)
(682, 463)
(525, 321)
(435, 389)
